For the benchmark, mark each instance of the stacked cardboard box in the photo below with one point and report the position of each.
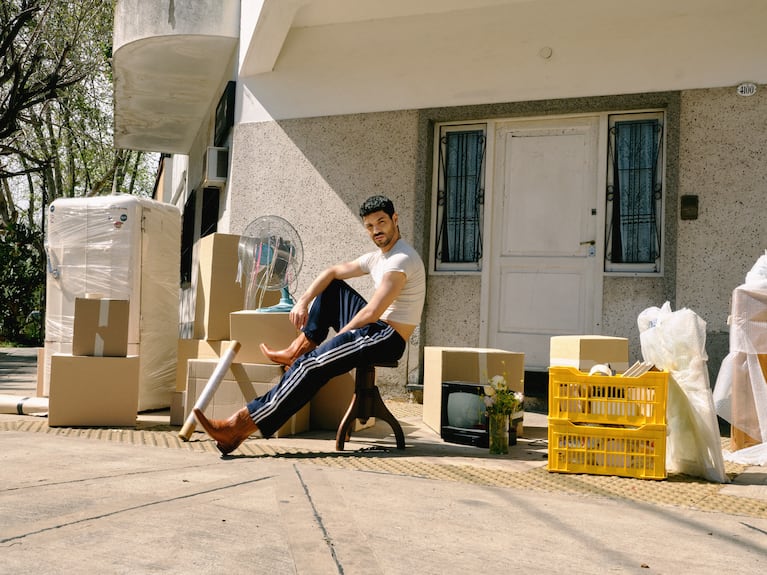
(219, 292)
(96, 384)
(219, 320)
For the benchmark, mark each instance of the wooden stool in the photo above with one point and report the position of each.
(366, 403)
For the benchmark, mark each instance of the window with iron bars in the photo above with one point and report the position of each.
(634, 199)
(459, 198)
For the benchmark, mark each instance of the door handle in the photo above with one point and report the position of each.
(589, 243)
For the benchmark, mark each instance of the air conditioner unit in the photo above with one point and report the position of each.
(216, 167)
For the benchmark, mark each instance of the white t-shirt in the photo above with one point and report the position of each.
(403, 258)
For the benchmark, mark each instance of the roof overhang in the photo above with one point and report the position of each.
(169, 62)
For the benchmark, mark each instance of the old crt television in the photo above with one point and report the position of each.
(463, 414)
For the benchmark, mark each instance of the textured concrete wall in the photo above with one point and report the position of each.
(722, 160)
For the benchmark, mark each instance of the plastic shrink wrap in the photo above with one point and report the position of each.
(120, 247)
(676, 342)
(740, 394)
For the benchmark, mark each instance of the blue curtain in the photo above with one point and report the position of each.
(460, 233)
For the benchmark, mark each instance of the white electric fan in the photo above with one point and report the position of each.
(270, 256)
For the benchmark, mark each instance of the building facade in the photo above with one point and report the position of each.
(560, 165)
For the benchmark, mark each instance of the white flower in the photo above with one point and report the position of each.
(498, 382)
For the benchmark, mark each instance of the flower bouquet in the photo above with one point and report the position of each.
(500, 404)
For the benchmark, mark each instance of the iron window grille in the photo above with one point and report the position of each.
(460, 198)
(634, 199)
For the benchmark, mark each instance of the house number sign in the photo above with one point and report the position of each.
(746, 89)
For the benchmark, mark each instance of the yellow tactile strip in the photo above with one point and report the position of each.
(678, 491)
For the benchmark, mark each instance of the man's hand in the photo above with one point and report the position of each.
(299, 314)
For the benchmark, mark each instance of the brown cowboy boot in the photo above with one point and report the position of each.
(229, 433)
(287, 356)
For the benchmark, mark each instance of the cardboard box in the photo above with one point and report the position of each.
(251, 328)
(196, 349)
(100, 327)
(585, 351)
(242, 383)
(330, 403)
(218, 292)
(52, 348)
(177, 401)
(93, 391)
(471, 365)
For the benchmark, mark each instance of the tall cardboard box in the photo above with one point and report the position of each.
(100, 327)
(466, 364)
(242, 383)
(93, 391)
(252, 327)
(585, 351)
(218, 293)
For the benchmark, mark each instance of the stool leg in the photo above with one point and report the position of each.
(366, 403)
(345, 428)
(380, 411)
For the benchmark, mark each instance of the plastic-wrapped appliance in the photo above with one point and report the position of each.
(119, 247)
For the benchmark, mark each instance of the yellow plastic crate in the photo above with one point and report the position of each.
(608, 400)
(603, 450)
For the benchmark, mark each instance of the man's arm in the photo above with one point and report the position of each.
(391, 286)
(300, 312)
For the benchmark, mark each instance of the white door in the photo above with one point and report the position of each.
(544, 273)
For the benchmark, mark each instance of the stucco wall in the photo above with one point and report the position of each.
(723, 160)
(315, 172)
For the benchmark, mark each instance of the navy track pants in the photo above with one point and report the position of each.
(333, 308)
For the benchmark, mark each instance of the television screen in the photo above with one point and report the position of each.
(463, 414)
(465, 410)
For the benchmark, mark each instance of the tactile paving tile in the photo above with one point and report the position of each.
(677, 490)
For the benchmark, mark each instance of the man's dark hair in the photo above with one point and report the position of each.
(377, 204)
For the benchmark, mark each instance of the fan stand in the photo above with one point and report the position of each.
(286, 303)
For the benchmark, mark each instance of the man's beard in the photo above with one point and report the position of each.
(383, 240)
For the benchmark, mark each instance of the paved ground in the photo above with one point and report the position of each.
(142, 501)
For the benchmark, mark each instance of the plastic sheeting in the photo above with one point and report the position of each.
(740, 394)
(676, 342)
(121, 247)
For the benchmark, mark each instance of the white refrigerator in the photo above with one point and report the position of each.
(120, 247)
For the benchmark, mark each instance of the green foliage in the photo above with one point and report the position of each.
(56, 137)
(56, 106)
(22, 277)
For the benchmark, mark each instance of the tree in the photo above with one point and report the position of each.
(56, 136)
(21, 284)
(56, 123)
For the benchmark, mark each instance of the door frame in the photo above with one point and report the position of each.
(491, 198)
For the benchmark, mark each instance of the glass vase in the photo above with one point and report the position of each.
(498, 432)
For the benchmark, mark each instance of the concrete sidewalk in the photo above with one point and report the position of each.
(140, 501)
